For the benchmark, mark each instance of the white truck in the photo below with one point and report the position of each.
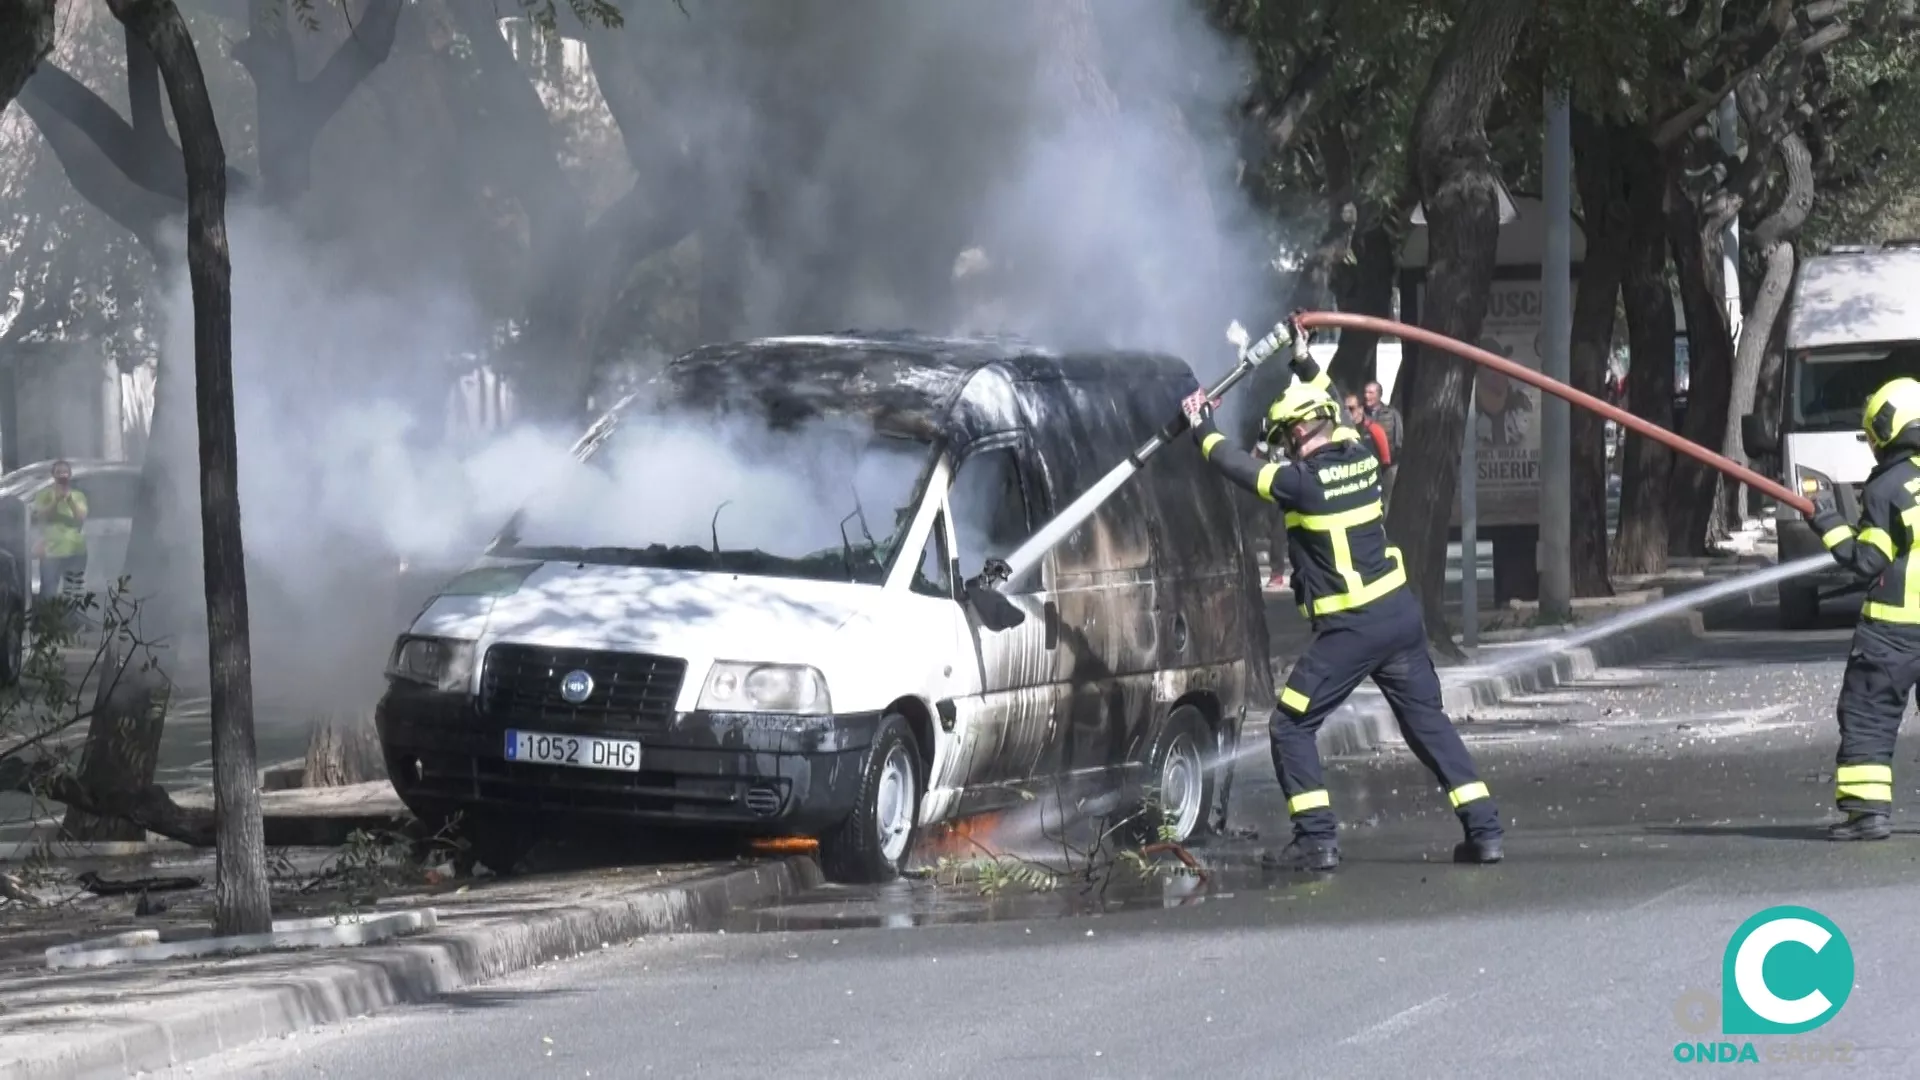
(1853, 324)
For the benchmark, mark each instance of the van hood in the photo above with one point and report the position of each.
(667, 612)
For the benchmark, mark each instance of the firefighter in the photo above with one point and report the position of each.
(1883, 664)
(1367, 623)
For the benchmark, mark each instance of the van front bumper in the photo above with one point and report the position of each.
(756, 773)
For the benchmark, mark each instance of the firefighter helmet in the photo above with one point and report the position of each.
(1301, 404)
(1891, 411)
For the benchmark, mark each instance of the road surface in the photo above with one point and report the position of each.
(1651, 814)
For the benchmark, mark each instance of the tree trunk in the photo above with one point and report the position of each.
(26, 37)
(1366, 289)
(1773, 237)
(1646, 466)
(1598, 175)
(343, 749)
(1691, 498)
(1458, 183)
(241, 896)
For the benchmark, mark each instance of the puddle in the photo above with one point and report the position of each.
(927, 901)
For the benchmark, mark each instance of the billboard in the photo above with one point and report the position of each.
(1505, 425)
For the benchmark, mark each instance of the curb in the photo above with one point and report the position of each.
(339, 986)
(1366, 723)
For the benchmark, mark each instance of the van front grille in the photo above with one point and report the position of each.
(631, 691)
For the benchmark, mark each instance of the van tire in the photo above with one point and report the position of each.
(860, 851)
(1180, 755)
(1799, 606)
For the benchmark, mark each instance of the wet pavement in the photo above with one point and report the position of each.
(1651, 813)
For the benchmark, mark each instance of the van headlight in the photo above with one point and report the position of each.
(442, 663)
(774, 688)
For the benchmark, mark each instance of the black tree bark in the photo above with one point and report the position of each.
(1647, 466)
(26, 37)
(241, 896)
(1365, 288)
(1598, 175)
(1458, 183)
(1691, 498)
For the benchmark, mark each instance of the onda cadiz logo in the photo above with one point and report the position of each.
(1786, 971)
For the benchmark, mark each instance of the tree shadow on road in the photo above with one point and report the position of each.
(1816, 832)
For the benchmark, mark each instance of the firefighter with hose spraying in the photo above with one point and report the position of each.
(1367, 623)
(1883, 664)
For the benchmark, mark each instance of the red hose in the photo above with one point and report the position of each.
(1310, 319)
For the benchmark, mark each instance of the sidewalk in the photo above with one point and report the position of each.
(118, 1020)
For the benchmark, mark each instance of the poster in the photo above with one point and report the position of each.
(1505, 423)
(1506, 412)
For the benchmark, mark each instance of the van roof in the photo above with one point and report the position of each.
(901, 381)
(1856, 298)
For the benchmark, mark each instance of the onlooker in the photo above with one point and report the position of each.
(1382, 413)
(61, 513)
(1366, 425)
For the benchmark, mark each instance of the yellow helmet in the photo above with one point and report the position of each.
(1891, 410)
(1301, 404)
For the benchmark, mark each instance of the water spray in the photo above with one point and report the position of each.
(995, 611)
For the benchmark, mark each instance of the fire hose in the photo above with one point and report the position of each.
(998, 613)
(1313, 319)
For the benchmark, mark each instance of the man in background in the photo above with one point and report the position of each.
(1382, 413)
(1373, 430)
(61, 513)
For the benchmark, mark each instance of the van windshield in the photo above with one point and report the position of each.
(1831, 387)
(830, 502)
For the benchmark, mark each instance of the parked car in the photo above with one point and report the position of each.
(110, 488)
(838, 684)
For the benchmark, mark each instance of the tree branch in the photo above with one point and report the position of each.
(1281, 123)
(150, 808)
(1743, 56)
(1791, 214)
(292, 111)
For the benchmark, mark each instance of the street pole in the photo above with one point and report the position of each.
(1469, 528)
(1726, 123)
(1556, 272)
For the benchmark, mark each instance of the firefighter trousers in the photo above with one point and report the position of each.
(1392, 652)
(1883, 668)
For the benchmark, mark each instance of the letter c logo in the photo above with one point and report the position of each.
(1749, 971)
(1786, 970)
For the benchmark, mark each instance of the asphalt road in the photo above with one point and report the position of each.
(1651, 814)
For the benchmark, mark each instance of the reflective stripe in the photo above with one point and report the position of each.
(1466, 793)
(1908, 613)
(1263, 486)
(1878, 538)
(1294, 699)
(1863, 774)
(1308, 800)
(1835, 536)
(1207, 444)
(1345, 519)
(1367, 593)
(1865, 792)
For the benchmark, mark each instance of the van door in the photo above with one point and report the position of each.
(995, 506)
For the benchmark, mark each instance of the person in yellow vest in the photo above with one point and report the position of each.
(61, 512)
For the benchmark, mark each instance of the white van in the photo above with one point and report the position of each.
(809, 664)
(1854, 325)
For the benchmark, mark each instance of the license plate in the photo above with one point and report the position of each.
(578, 751)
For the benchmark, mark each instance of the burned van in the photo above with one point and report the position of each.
(751, 611)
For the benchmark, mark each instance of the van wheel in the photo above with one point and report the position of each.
(873, 844)
(1799, 607)
(1179, 783)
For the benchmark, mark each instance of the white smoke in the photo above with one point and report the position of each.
(944, 129)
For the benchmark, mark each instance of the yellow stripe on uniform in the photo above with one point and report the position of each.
(1308, 800)
(1835, 536)
(1367, 593)
(1207, 444)
(1877, 538)
(1467, 793)
(1294, 700)
(1868, 783)
(1345, 519)
(1263, 486)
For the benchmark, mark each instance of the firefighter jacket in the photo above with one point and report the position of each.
(1881, 547)
(1344, 571)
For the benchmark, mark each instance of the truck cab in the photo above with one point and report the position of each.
(1853, 324)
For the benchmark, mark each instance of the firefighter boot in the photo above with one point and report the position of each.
(1479, 849)
(1861, 825)
(1312, 853)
